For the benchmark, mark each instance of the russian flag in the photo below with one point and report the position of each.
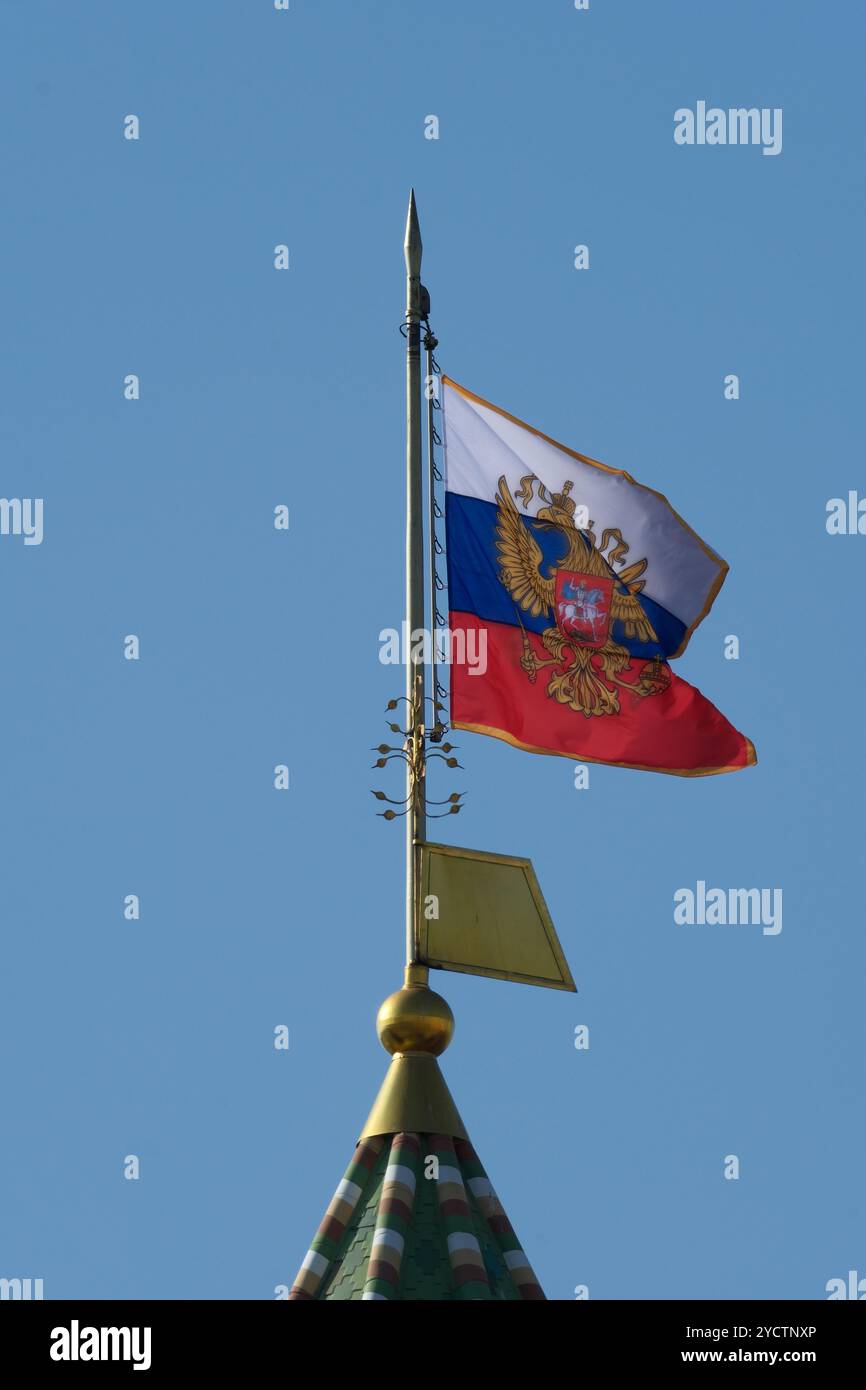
(578, 585)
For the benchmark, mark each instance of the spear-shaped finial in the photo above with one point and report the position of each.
(412, 244)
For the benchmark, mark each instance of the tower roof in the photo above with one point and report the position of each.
(415, 1218)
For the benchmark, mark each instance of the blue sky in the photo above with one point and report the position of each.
(155, 777)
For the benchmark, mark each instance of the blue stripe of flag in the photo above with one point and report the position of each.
(474, 585)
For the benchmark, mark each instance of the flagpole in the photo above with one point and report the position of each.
(415, 692)
(430, 343)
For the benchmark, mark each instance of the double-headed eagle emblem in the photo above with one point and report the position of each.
(583, 598)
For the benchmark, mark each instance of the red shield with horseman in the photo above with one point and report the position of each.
(583, 603)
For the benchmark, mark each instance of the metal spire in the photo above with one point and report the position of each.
(415, 684)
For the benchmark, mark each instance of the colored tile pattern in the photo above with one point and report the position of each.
(398, 1229)
(396, 1204)
(330, 1234)
(464, 1250)
(480, 1186)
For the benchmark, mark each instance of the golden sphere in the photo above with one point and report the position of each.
(414, 1019)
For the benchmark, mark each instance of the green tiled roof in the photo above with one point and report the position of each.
(415, 1219)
